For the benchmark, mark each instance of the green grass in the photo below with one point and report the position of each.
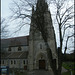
(69, 66)
(66, 73)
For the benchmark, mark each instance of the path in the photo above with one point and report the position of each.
(40, 72)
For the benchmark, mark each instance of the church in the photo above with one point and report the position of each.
(29, 52)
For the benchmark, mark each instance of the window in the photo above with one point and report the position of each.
(19, 48)
(27, 62)
(9, 49)
(11, 62)
(3, 62)
(23, 61)
(14, 62)
(40, 46)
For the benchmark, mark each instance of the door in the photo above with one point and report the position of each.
(42, 64)
(25, 67)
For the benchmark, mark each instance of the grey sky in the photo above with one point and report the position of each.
(5, 8)
(5, 13)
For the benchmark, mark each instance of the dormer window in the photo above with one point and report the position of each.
(19, 48)
(9, 49)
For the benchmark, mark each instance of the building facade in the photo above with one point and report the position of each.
(15, 52)
(30, 52)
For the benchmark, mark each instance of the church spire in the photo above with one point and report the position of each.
(41, 5)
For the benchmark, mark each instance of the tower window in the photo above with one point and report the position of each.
(40, 46)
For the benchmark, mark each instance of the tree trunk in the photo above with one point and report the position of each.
(52, 63)
(60, 52)
(59, 61)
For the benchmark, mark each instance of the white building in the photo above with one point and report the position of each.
(16, 52)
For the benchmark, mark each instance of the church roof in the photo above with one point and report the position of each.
(4, 55)
(24, 40)
(13, 42)
(16, 55)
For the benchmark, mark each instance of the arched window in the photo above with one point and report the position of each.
(19, 48)
(14, 62)
(40, 46)
(23, 61)
(9, 49)
(11, 62)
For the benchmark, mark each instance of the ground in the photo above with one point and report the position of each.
(40, 72)
(35, 72)
(65, 69)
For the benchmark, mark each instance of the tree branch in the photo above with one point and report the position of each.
(68, 9)
(70, 26)
(67, 43)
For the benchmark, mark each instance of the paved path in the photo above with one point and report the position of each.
(40, 72)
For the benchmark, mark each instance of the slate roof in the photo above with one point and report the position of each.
(4, 55)
(16, 55)
(16, 41)
(24, 40)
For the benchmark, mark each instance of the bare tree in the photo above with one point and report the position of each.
(4, 30)
(64, 20)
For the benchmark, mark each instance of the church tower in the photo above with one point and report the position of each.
(37, 58)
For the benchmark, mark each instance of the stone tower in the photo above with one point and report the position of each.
(37, 49)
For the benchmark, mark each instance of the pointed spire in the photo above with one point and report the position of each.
(41, 5)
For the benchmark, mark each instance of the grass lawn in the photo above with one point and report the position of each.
(70, 66)
(66, 73)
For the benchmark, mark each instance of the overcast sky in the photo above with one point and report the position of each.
(5, 8)
(5, 13)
